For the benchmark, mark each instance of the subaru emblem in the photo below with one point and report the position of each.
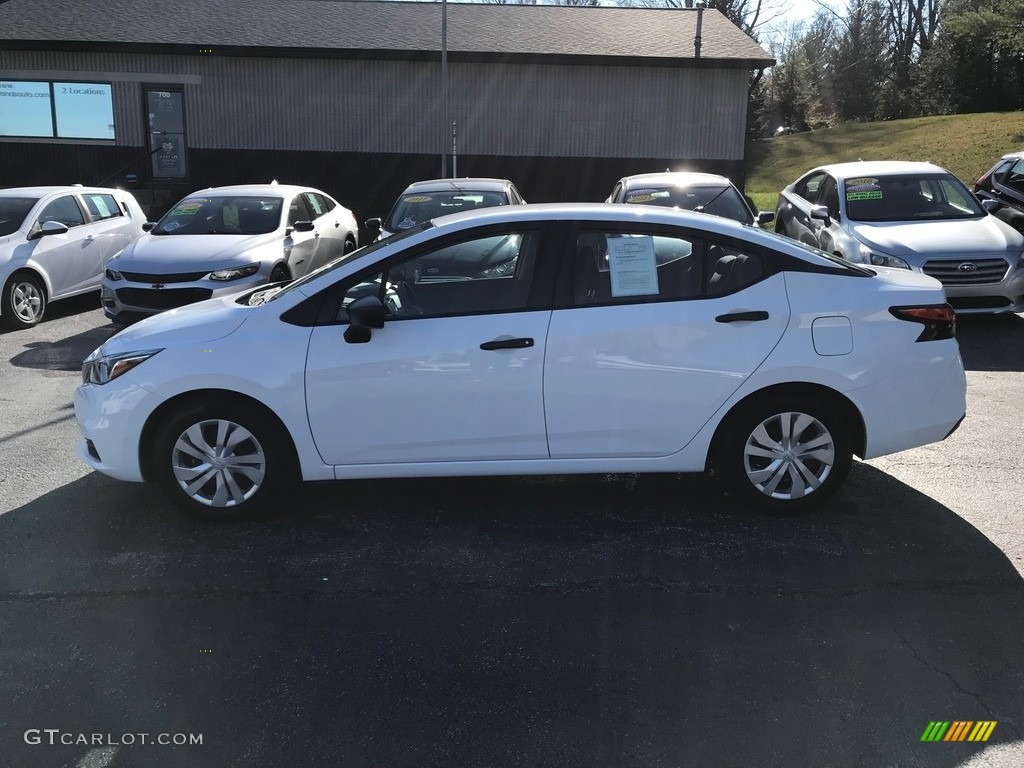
(968, 266)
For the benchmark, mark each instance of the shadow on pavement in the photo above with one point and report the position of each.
(66, 354)
(991, 342)
(592, 620)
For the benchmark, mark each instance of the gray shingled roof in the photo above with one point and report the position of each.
(410, 27)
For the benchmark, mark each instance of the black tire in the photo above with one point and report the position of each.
(279, 274)
(349, 247)
(788, 478)
(24, 301)
(252, 469)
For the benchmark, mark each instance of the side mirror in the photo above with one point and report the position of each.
(820, 212)
(765, 217)
(373, 226)
(364, 313)
(148, 226)
(990, 205)
(48, 228)
(303, 226)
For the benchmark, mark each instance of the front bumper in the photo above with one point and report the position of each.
(110, 419)
(125, 299)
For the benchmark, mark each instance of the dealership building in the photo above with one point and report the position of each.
(362, 98)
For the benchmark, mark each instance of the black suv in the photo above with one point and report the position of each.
(1004, 182)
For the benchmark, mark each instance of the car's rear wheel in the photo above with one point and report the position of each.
(222, 460)
(785, 454)
(24, 301)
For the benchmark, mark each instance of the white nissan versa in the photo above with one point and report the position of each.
(541, 339)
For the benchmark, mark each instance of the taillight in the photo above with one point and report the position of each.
(939, 320)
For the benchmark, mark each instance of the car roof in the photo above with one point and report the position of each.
(279, 190)
(1013, 156)
(42, 191)
(467, 185)
(879, 168)
(674, 179)
(600, 212)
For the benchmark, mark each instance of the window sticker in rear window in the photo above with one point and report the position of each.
(634, 271)
(863, 189)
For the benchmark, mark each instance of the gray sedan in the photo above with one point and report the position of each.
(914, 216)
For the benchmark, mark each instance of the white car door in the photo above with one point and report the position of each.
(328, 225)
(456, 372)
(663, 330)
(72, 261)
(301, 247)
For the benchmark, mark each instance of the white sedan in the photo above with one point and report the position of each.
(542, 339)
(223, 240)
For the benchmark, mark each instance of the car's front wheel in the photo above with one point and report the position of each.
(222, 460)
(24, 301)
(785, 454)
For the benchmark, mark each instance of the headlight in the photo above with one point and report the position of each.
(98, 368)
(112, 274)
(235, 272)
(502, 270)
(882, 259)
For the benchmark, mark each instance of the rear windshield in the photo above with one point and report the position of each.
(13, 211)
(245, 215)
(909, 197)
(417, 207)
(714, 199)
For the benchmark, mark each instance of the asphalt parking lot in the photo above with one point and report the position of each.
(593, 621)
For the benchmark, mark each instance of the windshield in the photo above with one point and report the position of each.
(418, 207)
(909, 197)
(265, 296)
(198, 215)
(13, 211)
(714, 199)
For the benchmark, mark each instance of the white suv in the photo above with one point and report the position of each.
(55, 242)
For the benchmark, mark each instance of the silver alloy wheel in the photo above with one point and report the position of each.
(218, 463)
(26, 301)
(789, 455)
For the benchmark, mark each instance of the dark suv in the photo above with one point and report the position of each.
(1004, 182)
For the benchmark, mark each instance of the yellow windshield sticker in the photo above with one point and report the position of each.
(639, 198)
(186, 209)
(418, 199)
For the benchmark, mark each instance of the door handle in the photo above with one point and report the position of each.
(507, 344)
(738, 317)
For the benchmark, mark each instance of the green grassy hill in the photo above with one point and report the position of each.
(967, 145)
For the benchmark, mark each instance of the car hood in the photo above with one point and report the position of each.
(928, 239)
(192, 324)
(185, 253)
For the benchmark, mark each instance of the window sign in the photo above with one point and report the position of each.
(84, 110)
(167, 130)
(25, 109)
(634, 271)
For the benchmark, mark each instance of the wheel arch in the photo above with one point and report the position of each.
(204, 397)
(30, 269)
(849, 412)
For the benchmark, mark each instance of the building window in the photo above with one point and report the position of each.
(56, 110)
